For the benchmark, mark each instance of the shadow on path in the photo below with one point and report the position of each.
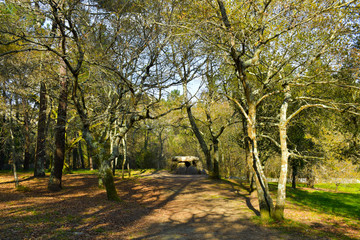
(199, 208)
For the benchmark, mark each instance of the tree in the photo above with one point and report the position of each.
(41, 138)
(263, 47)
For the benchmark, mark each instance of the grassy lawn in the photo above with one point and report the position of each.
(321, 211)
(347, 188)
(345, 203)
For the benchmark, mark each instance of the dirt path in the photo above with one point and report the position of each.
(155, 206)
(197, 208)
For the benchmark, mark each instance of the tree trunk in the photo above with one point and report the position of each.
(27, 142)
(129, 170)
(197, 132)
(108, 180)
(60, 130)
(89, 142)
(281, 192)
(13, 156)
(216, 172)
(265, 201)
(75, 158)
(248, 156)
(106, 176)
(294, 173)
(40, 159)
(160, 158)
(125, 157)
(115, 162)
(201, 140)
(90, 159)
(81, 155)
(68, 165)
(310, 178)
(146, 139)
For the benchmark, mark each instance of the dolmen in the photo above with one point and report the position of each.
(187, 165)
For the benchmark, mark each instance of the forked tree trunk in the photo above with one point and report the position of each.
(265, 201)
(39, 170)
(60, 130)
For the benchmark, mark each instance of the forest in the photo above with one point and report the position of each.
(255, 89)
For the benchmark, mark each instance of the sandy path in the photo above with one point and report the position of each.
(197, 208)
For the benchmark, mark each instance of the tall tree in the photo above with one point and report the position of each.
(263, 47)
(39, 170)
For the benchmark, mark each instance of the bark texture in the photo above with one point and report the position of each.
(248, 109)
(281, 193)
(125, 157)
(106, 176)
(27, 143)
(40, 159)
(60, 130)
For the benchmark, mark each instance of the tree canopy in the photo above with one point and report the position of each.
(98, 82)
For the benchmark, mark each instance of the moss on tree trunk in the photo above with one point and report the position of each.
(107, 180)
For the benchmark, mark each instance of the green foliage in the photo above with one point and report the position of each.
(146, 159)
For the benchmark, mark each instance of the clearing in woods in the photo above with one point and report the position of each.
(154, 206)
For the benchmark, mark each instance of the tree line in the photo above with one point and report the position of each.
(91, 84)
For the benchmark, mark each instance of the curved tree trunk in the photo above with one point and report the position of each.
(200, 139)
(197, 132)
(265, 201)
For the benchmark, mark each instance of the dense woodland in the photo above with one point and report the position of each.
(256, 89)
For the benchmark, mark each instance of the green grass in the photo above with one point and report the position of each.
(22, 188)
(84, 171)
(348, 188)
(344, 203)
(18, 171)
